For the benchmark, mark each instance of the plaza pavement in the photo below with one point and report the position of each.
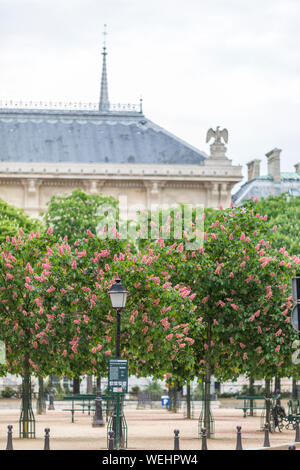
(147, 430)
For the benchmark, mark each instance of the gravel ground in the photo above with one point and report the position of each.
(147, 430)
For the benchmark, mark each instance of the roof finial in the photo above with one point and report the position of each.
(141, 104)
(104, 35)
(104, 101)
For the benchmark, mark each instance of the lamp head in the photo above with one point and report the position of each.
(118, 295)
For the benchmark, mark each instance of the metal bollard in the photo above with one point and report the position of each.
(111, 440)
(47, 439)
(239, 439)
(176, 439)
(297, 438)
(9, 445)
(98, 417)
(292, 448)
(204, 439)
(267, 440)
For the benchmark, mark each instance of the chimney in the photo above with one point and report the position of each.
(274, 164)
(297, 167)
(253, 169)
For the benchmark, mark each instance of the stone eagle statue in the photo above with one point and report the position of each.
(217, 135)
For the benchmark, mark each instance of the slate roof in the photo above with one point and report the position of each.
(264, 186)
(89, 137)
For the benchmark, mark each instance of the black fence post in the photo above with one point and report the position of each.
(204, 439)
(267, 440)
(47, 439)
(176, 439)
(111, 440)
(239, 438)
(297, 438)
(9, 445)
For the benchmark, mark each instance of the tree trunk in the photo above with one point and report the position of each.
(76, 386)
(251, 393)
(294, 389)
(188, 401)
(98, 383)
(175, 398)
(172, 406)
(207, 398)
(26, 392)
(277, 389)
(89, 384)
(41, 405)
(268, 401)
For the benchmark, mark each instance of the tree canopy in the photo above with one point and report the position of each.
(241, 284)
(71, 216)
(283, 211)
(13, 218)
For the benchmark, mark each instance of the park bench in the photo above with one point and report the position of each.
(278, 417)
(289, 420)
(250, 403)
(81, 402)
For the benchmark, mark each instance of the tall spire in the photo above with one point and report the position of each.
(104, 101)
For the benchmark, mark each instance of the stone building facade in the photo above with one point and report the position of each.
(51, 149)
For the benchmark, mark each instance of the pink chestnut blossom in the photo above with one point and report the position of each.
(190, 340)
(29, 268)
(218, 269)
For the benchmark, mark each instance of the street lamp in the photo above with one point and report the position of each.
(118, 297)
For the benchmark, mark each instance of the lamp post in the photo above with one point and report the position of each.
(295, 318)
(118, 297)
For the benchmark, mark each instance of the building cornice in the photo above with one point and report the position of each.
(109, 171)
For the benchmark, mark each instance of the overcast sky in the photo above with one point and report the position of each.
(196, 63)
